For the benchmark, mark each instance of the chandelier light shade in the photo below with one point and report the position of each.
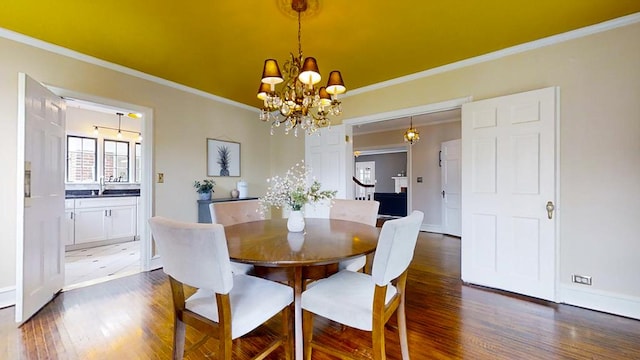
(271, 73)
(411, 135)
(335, 85)
(310, 75)
(299, 103)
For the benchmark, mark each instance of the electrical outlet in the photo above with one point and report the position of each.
(419, 179)
(160, 178)
(581, 279)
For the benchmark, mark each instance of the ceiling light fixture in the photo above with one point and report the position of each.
(299, 103)
(119, 129)
(411, 135)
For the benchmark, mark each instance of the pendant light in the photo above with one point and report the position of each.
(411, 135)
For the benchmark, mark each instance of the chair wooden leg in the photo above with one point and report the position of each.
(287, 331)
(224, 348)
(307, 330)
(179, 330)
(402, 331)
(377, 335)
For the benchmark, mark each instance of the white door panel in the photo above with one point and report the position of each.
(450, 152)
(326, 154)
(41, 220)
(509, 158)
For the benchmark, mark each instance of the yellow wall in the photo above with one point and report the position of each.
(599, 207)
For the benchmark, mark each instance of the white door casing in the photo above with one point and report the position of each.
(40, 208)
(508, 176)
(450, 152)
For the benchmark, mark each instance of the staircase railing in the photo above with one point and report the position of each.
(363, 185)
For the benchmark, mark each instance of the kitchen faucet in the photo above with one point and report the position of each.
(101, 187)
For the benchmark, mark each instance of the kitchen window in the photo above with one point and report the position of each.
(116, 161)
(81, 159)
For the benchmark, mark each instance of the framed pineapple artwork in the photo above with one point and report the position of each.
(223, 158)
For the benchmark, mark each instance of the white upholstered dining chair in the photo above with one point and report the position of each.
(236, 212)
(364, 301)
(225, 305)
(362, 211)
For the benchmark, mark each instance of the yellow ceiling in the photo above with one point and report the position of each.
(218, 46)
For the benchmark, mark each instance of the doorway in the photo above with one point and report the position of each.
(437, 123)
(102, 189)
(139, 247)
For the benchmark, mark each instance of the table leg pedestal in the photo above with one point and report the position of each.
(297, 293)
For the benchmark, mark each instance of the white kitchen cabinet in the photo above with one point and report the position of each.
(69, 226)
(121, 222)
(100, 219)
(90, 225)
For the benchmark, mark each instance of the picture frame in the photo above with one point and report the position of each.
(223, 158)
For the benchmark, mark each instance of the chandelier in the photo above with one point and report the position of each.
(299, 104)
(411, 135)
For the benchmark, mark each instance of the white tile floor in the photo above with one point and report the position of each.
(93, 265)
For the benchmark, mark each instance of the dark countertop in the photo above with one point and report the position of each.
(214, 200)
(84, 194)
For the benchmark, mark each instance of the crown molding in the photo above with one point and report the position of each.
(551, 40)
(59, 50)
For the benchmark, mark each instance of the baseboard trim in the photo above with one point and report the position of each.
(432, 228)
(599, 300)
(7, 296)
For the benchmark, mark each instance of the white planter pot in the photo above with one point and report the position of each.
(295, 223)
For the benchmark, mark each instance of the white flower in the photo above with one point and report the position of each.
(292, 190)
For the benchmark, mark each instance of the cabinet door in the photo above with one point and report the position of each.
(68, 227)
(90, 225)
(121, 222)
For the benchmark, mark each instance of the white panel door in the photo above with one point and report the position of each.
(450, 152)
(40, 208)
(326, 154)
(508, 176)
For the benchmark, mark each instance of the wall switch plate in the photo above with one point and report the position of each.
(160, 178)
(581, 279)
(419, 179)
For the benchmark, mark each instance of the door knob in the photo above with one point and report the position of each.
(550, 208)
(443, 194)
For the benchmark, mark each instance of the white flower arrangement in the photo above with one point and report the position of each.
(292, 190)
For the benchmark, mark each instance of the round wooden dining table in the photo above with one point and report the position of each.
(314, 253)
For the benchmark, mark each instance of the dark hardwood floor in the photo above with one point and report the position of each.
(129, 318)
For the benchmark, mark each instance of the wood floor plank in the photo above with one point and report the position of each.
(130, 318)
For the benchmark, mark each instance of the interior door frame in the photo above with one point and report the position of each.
(406, 112)
(147, 259)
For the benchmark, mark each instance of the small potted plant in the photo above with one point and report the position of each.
(204, 188)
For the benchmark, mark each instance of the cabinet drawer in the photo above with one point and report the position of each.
(69, 204)
(105, 202)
